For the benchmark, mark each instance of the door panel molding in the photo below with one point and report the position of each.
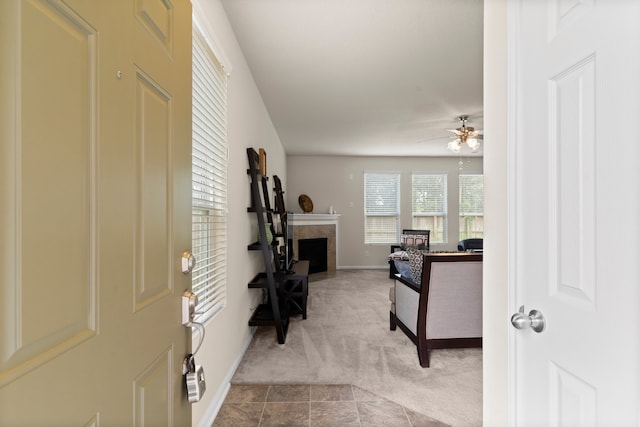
(156, 16)
(572, 401)
(43, 318)
(573, 228)
(153, 396)
(93, 422)
(563, 13)
(154, 145)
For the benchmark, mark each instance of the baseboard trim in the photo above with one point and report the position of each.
(212, 411)
(363, 267)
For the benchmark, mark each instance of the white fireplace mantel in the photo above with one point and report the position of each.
(315, 219)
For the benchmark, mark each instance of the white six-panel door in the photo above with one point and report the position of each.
(575, 191)
(94, 211)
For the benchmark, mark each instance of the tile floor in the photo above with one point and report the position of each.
(313, 406)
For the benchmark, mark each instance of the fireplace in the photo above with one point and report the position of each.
(316, 226)
(315, 251)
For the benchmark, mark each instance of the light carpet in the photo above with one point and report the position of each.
(346, 339)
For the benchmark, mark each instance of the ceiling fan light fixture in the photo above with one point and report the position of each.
(465, 135)
(454, 145)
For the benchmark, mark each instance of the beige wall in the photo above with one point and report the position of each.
(248, 125)
(339, 182)
(495, 306)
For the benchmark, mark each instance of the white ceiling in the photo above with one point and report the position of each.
(364, 77)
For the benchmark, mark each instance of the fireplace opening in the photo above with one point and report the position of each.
(315, 251)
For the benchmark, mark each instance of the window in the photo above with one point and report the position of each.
(429, 204)
(471, 206)
(209, 180)
(381, 207)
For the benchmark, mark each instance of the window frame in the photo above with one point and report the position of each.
(392, 231)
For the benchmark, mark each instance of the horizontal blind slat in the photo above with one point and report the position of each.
(381, 207)
(429, 204)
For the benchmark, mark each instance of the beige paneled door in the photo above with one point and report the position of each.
(574, 176)
(95, 125)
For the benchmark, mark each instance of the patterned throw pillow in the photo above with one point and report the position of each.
(413, 241)
(415, 263)
(401, 255)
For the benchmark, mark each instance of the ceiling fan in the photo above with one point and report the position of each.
(465, 135)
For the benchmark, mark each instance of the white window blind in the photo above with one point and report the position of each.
(471, 206)
(381, 207)
(429, 204)
(209, 180)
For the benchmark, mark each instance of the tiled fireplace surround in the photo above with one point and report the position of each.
(313, 226)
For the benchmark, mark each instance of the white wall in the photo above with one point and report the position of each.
(249, 125)
(339, 182)
(495, 306)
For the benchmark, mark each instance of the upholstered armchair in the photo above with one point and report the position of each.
(443, 307)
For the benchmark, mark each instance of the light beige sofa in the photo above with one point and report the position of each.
(444, 308)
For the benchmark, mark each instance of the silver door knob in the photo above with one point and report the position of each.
(188, 262)
(534, 320)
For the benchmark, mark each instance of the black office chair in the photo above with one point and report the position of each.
(470, 244)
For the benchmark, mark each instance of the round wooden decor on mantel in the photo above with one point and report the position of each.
(305, 203)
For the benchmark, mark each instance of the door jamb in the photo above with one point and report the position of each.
(513, 27)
